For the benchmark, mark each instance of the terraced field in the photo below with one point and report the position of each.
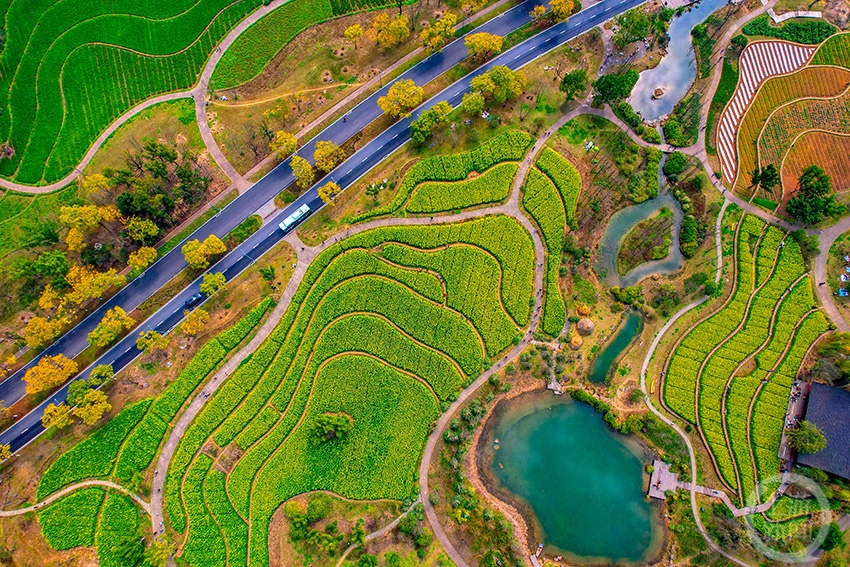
(435, 301)
(122, 450)
(787, 123)
(729, 378)
(808, 82)
(448, 183)
(808, 150)
(550, 199)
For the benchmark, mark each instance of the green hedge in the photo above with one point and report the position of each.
(809, 31)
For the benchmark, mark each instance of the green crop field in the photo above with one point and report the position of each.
(431, 185)
(255, 48)
(123, 449)
(543, 203)
(729, 377)
(435, 302)
(69, 69)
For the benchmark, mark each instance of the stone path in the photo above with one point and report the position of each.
(69, 489)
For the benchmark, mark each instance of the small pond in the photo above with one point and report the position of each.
(676, 71)
(579, 482)
(619, 226)
(612, 349)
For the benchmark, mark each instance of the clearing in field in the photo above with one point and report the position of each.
(731, 379)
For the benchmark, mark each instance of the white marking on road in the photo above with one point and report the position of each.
(517, 57)
(396, 136)
(349, 171)
(608, 9)
(562, 32)
(364, 159)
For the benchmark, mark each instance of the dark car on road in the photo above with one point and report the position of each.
(194, 300)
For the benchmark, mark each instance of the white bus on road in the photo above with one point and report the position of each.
(292, 219)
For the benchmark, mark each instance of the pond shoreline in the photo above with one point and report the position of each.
(527, 530)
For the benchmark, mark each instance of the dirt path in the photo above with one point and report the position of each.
(69, 489)
(378, 533)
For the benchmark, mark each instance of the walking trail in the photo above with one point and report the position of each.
(69, 489)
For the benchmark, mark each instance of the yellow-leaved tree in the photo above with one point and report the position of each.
(401, 98)
(353, 34)
(151, 341)
(112, 326)
(94, 405)
(141, 230)
(327, 155)
(5, 452)
(194, 322)
(562, 9)
(328, 192)
(483, 45)
(438, 34)
(283, 144)
(50, 372)
(212, 283)
(500, 83)
(197, 253)
(389, 32)
(89, 284)
(40, 331)
(302, 171)
(58, 416)
(142, 258)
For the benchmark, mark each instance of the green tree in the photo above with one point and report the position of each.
(806, 438)
(423, 127)
(574, 83)
(332, 425)
(499, 82)
(367, 560)
(834, 538)
(768, 178)
(813, 198)
(611, 88)
(472, 104)
(77, 391)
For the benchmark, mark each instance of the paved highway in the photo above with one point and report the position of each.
(72, 343)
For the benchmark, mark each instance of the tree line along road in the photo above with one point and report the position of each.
(131, 296)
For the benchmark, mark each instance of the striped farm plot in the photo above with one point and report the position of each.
(788, 122)
(759, 61)
(731, 371)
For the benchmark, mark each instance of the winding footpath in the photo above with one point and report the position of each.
(74, 487)
(306, 255)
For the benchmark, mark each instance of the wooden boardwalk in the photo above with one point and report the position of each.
(664, 480)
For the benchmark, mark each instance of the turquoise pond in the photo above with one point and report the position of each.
(611, 350)
(580, 483)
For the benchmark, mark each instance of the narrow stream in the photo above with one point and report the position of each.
(676, 71)
(619, 226)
